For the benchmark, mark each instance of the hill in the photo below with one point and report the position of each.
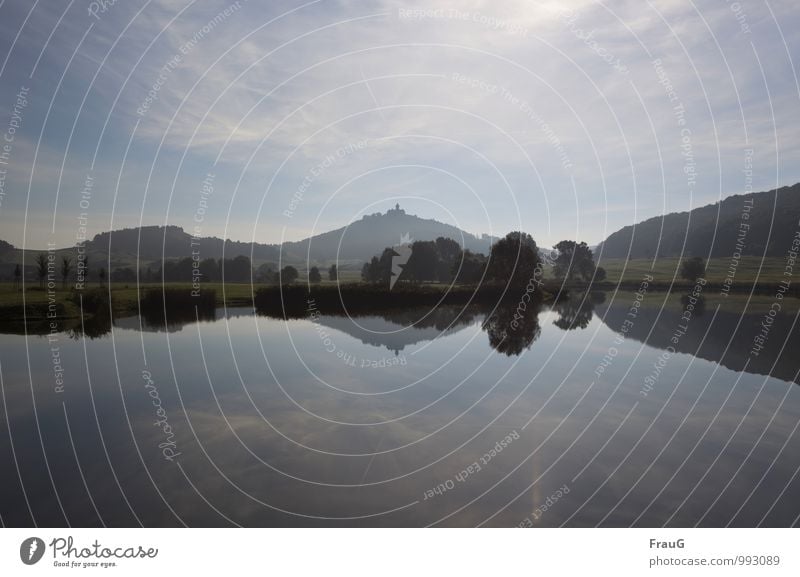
(358, 242)
(714, 230)
(367, 237)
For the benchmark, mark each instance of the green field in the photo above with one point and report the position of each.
(124, 297)
(663, 270)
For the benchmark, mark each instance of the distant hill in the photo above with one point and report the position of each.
(369, 236)
(713, 230)
(355, 243)
(153, 242)
(359, 241)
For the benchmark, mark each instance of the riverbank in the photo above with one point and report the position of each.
(64, 304)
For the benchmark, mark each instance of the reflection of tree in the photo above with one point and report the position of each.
(512, 330)
(698, 303)
(92, 326)
(166, 308)
(576, 312)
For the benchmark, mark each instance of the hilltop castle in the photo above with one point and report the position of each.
(396, 211)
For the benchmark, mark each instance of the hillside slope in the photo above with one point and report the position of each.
(713, 230)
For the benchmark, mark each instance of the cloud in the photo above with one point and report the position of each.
(522, 95)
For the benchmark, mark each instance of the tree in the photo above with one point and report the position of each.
(423, 263)
(41, 268)
(288, 274)
(333, 273)
(66, 268)
(514, 259)
(469, 268)
(449, 253)
(379, 270)
(313, 275)
(599, 274)
(85, 269)
(574, 259)
(265, 273)
(17, 275)
(693, 268)
(366, 270)
(237, 269)
(102, 275)
(208, 270)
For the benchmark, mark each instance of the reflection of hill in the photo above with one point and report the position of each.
(177, 322)
(396, 330)
(722, 331)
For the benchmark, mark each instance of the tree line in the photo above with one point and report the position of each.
(514, 259)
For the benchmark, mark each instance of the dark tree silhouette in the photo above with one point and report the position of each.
(693, 268)
(41, 268)
(423, 263)
(379, 270)
(17, 275)
(333, 273)
(449, 254)
(469, 268)
(439, 260)
(208, 270)
(599, 274)
(574, 260)
(313, 275)
(288, 274)
(514, 259)
(237, 269)
(265, 273)
(66, 269)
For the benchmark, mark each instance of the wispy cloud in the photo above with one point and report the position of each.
(518, 100)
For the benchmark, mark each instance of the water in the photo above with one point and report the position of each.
(451, 417)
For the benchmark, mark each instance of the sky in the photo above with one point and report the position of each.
(261, 121)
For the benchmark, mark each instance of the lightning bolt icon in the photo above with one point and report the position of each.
(34, 547)
(403, 251)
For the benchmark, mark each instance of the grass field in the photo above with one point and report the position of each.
(124, 297)
(747, 271)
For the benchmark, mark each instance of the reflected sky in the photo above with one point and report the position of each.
(381, 420)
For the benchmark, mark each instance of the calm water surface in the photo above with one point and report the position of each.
(567, 416)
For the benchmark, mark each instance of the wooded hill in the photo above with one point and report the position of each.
(713, 230)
